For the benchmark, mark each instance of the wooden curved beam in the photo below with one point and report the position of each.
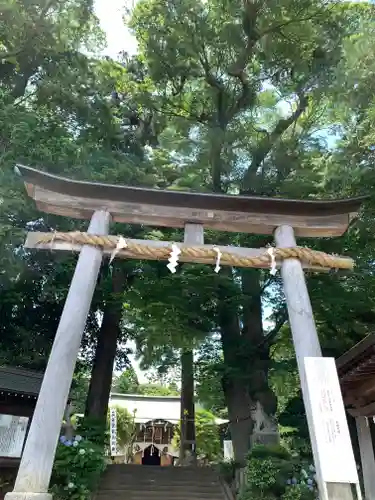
(249, 214)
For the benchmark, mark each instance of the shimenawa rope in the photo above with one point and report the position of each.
(141, 251)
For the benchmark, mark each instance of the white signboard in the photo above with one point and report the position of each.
(228, 451)
(113, 431)
(12, 435)
(334, 447)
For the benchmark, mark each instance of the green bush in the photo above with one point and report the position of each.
(79, 464)
(273, 473)
(93, 430)
(298, 492)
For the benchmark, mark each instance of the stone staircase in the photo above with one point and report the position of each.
(137, 482)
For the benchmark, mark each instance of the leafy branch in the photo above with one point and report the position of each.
(268, 142)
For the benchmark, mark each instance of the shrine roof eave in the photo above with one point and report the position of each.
(172, 208)
(356, 356)
(18, 381)
(356, 370)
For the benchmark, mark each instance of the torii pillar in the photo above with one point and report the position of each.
(102, 202)
(35, 470)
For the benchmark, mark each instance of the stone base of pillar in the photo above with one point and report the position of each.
(14, 495)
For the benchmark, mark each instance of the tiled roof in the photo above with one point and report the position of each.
(18, 380)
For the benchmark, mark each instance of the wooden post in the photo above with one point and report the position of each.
(306, 344)
(367, 456)
(35, 470)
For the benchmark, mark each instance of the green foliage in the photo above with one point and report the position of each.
(207, 436)
(126, 382)
(298, 492)
(273, 473)
(78, 466)
(93, 430)
(158, 390)
(79, 389)
(209, 370)
(226, 97)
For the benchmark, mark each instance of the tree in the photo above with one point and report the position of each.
(36, 37)
(212, 82)
(207, 436)
(67, 113)
(157, 390)
(223, 71)
(232, 97)
(209, 368)
(127, 382)
(106, 348)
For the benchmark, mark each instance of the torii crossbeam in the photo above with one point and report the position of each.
(193, 211)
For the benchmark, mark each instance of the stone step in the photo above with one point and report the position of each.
(158, 470)
(124, 473)
(151, 482)
(134, 482)
(117, 475)
(200, 488)
(157, 495)
(174, 479)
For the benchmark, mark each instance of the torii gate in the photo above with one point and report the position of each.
(193, 211)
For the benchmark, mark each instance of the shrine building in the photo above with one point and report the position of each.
(156, 419)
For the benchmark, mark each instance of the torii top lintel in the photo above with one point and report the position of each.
(154, 207)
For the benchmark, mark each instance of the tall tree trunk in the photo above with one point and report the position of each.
(188, 439)
(235, 380)
(251, 404)
(237, 398)
(264, 401)
(105, 354)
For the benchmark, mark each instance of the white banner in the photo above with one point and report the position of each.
(334, 447)
(12, 435)
(113, 431)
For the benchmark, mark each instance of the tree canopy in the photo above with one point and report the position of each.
(224, 97)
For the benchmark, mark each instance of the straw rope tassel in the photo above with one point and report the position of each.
(137, 250)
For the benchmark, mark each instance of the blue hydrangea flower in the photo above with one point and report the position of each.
(62, 439)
